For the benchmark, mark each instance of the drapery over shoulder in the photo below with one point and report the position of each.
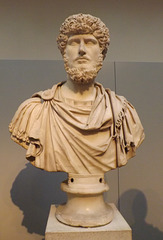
(128, 130)
(78, 137)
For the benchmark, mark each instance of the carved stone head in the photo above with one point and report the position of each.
(83, 42)
(84, 24)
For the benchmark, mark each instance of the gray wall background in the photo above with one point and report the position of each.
(29, 28)
(31, 62)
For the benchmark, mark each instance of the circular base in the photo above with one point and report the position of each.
(84, 217)
(85, 206)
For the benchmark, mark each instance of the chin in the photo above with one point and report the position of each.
(83, 74)
(83, 81)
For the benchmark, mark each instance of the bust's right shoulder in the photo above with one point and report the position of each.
(29, 111)
(48, 94)
(35, 104)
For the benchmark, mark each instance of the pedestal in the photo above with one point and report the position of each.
(118, 229)
(85, 205)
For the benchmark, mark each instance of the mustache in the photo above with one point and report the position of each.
(82, 58)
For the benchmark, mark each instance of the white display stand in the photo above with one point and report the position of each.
(118, 229)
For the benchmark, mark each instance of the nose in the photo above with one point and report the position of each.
(82, 50)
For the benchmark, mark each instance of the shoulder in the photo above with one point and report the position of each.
(118, 102)
(35, 103)
(48, 94)
(115, 97)
(121, 109)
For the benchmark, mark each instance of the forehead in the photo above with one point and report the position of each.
(82, 36)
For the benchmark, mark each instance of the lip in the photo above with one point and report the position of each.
(82, 58)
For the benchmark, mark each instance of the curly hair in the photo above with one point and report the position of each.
(84, 24)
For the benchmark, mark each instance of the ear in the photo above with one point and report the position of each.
(104, 51)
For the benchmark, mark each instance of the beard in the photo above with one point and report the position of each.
(83, 76)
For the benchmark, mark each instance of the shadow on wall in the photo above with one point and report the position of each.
(33, 191)
(134, 209)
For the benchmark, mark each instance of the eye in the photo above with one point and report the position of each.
(73, 42)
(90, 41)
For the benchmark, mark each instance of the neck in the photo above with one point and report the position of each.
(81, 92)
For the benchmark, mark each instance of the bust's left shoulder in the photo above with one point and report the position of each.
(119, 101)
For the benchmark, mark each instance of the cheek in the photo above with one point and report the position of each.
(96, 57)
(95, 53)
(68, 53)
(69, 59)
(71, 52)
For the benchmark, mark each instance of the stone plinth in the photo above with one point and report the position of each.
(118, 229)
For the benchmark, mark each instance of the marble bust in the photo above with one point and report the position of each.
(77, 126)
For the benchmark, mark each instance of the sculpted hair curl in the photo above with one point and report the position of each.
(84, 24)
